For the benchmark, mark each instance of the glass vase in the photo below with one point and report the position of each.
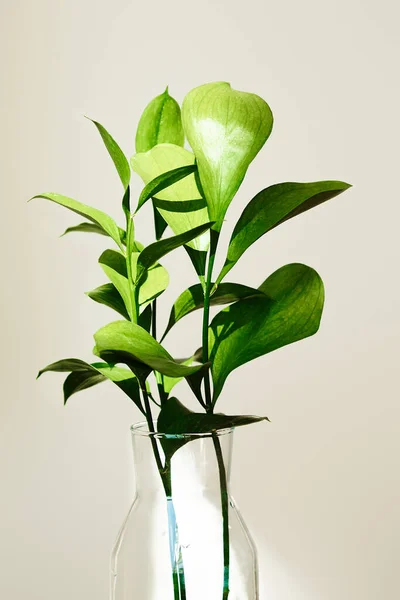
(183, 538)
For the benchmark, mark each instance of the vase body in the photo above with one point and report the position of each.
(174, 543)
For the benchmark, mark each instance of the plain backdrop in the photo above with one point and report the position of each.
(319, 486)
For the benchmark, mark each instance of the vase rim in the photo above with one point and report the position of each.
(141, 429)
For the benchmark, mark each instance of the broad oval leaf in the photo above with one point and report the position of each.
(193, 298)
(181, 205)
(161, 182)
(273, 206)
(93, 214)
(160, 122)
(226, 129)
(136, 344)
(118, 157)
(290, 311)
(152, 253)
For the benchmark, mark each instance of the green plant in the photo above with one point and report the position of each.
(191, 192)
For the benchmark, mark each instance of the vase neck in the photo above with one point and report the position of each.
(192, 464)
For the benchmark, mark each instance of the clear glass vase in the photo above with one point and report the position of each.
(183, 538)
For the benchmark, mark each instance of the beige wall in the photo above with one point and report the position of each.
(324, 506)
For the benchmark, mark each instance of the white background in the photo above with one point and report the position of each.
(319, 486)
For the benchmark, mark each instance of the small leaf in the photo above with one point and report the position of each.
(93, 214)
(135, 343)
(273, 206)
(160, 122)
(114, 266)
(124, 379)
(108, 295)
(79, 381)
(152, 253)
(193, 298)
(181, 205)
(164, 181)
(160, 225)
(171, 382)
(290, 311)
(118, 157)
(226, 129)
(66, 365)
(86, 228)
(84, 375)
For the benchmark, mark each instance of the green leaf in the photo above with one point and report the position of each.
(193, 298)
(171, 382)
(145, 318)
(66, 365)
(160, 225)
(118, 157)
(273, 206)
(124, 379)
(181, 205)
(290, 311)
(79, 381)
(154, 283)
(108, 295)
(136, 344)
(176, 420)
(114, 266)
(160, 122)
(93, 214)
(84, 375)
(86, 228)
(226, 129)
(164, 181)
(152, 253)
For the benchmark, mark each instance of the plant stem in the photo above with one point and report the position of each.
(178, 573)
(214, 236)
(225, 513)
(134, 312)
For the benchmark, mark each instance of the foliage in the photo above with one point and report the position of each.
(191, 192)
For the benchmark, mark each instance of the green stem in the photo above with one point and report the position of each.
(206, 315)
(223, 481)
(134, 312)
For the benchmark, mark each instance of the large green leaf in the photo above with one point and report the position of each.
(84, 375)
(93, 214)
(226, 129)
(181, 204)
(133, 343)
(152, 253)
(161, 182)
(248, 329)
(273, 206)
(118, 157)
(108, 295)
(160, 122)
(177, 420)
(193, 298)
